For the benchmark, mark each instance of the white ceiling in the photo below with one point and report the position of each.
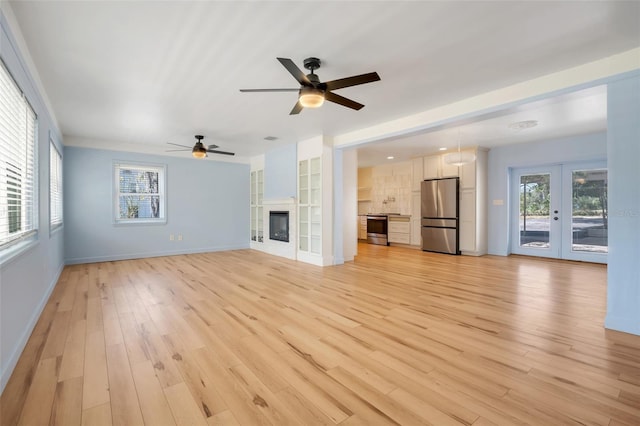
(144, 73)
(576, 113)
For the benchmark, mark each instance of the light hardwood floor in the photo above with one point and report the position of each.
(397, 337)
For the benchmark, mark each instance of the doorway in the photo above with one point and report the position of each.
(560, 211)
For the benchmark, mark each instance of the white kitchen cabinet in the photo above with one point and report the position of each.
(362, 227)
(468, 220)
(447, 170)
(431, 167)
(417, 175)
(473, 205)
(364, 184)
(399, 229)
(468, 175)
(434, 167)
(416, 232)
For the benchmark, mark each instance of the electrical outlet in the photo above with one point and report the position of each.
(179, 237)
(171, 237)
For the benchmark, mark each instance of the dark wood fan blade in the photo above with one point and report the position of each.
(269, 90)
(332, 97)
(178, 150)
(352, 81)
(213, 151)
(212, 146)
(177, 144)
(296, 108)
(295, 71)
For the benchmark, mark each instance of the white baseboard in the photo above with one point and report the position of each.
(76, 261)
(15, 356)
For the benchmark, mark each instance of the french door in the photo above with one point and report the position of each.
(560, 211)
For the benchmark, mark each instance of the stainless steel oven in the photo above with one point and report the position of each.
(377, 225)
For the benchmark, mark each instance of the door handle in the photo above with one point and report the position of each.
(555, 218)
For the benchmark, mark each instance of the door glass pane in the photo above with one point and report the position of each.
(534, 215)
(589, 222)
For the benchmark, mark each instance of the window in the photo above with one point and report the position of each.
(55, 186)
(18, 204)
(139, 193)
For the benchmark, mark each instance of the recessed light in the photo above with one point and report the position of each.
(442, 149)
(522, 125)
(270, 138)
(391, 157)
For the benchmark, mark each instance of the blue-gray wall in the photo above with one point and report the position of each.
(501, 160)
(207, 203)
(26, 280)
(623, 162)
(280, 172)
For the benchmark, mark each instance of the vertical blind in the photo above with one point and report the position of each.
(55, 186)
(18, 207)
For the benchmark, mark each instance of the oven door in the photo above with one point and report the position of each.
(377, 230)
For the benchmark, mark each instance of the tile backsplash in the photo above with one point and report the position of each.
(390, 190)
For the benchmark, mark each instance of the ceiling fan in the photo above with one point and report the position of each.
(199, 150)
(312, 92)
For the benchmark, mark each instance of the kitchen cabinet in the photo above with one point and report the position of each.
(416, 233)
(417, 174)
(434, 167)
(362, 227)
(468, 175)
(467, 220)
(399, 229)
(365, 183)
(473, 205)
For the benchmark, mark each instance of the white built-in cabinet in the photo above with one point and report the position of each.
(417, 174)
(310, 205)
(473, 205)
(399, 229)
(473, 194)
(257, 195)
(416, 216)
(362, 227)
(435, 167)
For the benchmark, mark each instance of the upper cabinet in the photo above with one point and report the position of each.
(416, 173)
(364, 183)
(435, 167)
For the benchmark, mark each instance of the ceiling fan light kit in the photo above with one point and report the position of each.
(311, 97)
(312, 92)
(199, 150)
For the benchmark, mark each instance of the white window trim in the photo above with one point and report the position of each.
(27, 240)
(53, 226)
(162, 191)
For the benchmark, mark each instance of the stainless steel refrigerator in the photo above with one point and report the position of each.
(440, 215)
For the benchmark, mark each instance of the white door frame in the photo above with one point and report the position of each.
(560, 230)
(554, 249)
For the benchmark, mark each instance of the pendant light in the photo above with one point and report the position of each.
(459, 158)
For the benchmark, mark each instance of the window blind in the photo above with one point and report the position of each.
(55, 186)
(18, 207)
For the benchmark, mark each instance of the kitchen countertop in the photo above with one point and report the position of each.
(385, 214)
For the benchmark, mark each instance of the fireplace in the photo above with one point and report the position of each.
(279, 226)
